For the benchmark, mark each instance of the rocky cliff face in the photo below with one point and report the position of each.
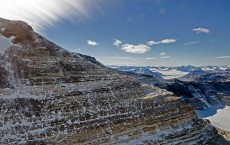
(51, 96)
(201, 90)
(201, 94)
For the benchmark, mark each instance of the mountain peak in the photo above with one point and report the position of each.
(21, 31)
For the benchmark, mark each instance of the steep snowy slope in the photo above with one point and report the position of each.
(51, 96)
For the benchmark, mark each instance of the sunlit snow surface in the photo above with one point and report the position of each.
(169, 73)
(219, 116)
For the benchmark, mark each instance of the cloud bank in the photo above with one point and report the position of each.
(43, 13)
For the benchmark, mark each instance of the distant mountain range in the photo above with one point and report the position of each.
(174, 72)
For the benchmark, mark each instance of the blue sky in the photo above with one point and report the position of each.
(147, 32)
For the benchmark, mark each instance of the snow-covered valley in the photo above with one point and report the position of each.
(219, 116)
(169, 73)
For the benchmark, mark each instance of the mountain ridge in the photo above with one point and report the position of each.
(49, 95)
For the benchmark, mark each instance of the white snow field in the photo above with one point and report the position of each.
(219, 116)
(169, 73)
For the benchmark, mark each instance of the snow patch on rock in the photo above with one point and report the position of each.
(19, 94)
(3, 29)
(5, 43)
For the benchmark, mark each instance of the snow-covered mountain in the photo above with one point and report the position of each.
(174, 72)
(49, 95)
(216, 76)
(137, 70)
(216, 68)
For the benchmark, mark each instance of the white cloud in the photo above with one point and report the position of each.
(92, 43)
(164, 57)
(162, 54)
(151, 58)
(141, 48)
(43, 13)
(201, 30)
(150, 43)
(117, 42)
(223, 57)
(190, 43)
(166, 41)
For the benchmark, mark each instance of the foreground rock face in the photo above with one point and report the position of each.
(51, 96)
